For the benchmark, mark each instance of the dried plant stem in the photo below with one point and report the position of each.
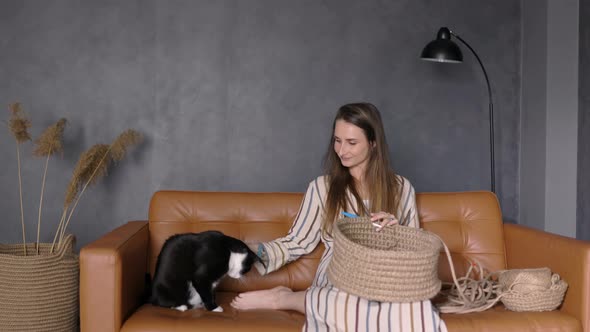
(59, 226)
(20, 190)
(41, 201)
(63, 230)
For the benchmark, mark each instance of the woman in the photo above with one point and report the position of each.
(358, 179)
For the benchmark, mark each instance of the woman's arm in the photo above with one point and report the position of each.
(304, 234)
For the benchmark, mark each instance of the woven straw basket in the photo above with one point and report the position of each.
(397, 264)
(532, 289)
(39, 292)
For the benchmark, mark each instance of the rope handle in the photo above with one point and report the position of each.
(66, 245)
(555, 279)
(473, 295)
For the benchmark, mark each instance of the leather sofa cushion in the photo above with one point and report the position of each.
(498, 319)
(502, 320)
(157, 319)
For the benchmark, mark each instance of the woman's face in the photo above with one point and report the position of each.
(351, 146)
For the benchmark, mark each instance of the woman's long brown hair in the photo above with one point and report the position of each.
(381, 183)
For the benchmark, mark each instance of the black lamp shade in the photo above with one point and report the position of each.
(442, 49)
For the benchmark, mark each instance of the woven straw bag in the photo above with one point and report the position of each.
(396, 264)
(518, 289)
(531, 289)
(39, 292)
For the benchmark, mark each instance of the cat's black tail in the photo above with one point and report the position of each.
(147, 292)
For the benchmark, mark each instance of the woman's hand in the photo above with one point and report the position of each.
(383, 219)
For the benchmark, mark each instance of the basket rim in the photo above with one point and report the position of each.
(359, 269)
(558, 289)
(66, 248)
(432, 239)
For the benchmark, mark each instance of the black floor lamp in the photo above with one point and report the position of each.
(444, 50)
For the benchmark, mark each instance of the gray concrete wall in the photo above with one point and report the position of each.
(562, 117)
(240, 95)
(533, 120)
(553, 160)
(583, 206)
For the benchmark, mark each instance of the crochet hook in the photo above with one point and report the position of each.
(352, 215)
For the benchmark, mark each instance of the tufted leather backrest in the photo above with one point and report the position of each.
(250, 217)
(469, 223)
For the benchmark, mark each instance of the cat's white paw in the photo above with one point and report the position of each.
(218, 309)
(181, 308)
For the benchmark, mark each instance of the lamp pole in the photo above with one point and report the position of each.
(491, 112)
(442, 49)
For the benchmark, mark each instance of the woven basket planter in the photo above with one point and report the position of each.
(39, 292)
(532, 289)
(397, 264)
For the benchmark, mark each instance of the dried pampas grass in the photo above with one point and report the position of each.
(119, 147)
(91, 167)
(51, 140)
(89, 163)
(19, 124)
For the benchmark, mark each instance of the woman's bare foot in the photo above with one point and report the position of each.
(279, 297)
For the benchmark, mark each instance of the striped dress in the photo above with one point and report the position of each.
(330, 309)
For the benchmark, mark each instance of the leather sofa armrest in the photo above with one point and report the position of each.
(112, 277)
(530, 248)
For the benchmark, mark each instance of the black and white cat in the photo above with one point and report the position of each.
(191, 265)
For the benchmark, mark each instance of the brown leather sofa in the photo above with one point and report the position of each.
(112, 268)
